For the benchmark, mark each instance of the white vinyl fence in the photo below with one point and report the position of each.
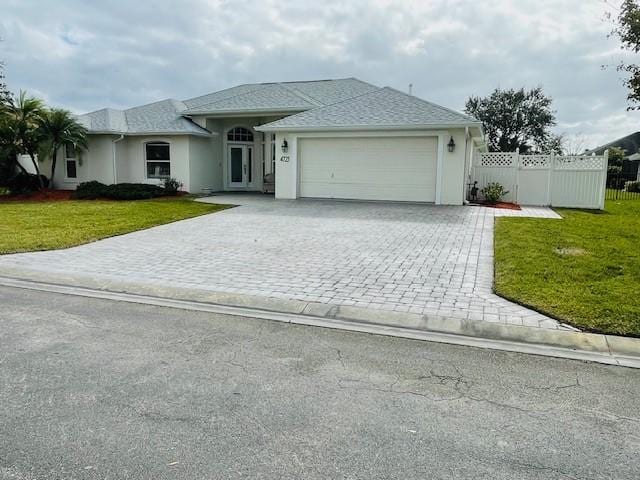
(558, 181)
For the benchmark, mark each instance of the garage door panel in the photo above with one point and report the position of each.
(389, 168)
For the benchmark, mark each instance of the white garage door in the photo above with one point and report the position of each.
(380, 168)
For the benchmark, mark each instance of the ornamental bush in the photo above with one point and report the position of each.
(171, 186)
(493, 192)
(89, 190)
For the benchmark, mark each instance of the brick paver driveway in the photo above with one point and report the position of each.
(402, 257)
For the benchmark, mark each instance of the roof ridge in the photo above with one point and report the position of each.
(257, 85)
(304, 96)
(349, 99)
(450, 110)
(314, 81)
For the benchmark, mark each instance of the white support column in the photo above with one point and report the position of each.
(440, 166)
(552, 167)
(517, 176)
(604, 178)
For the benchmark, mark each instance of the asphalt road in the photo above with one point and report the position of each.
(100, 389)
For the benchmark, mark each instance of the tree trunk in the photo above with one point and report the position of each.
(54, 159)
(35, 166)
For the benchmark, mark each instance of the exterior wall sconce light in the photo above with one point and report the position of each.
(285, 146)
(451, 145)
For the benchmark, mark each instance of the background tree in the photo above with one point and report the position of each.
(627, 29)
(7, 160)
(574, 144)
(5, 95)
(59, 128)
(517, 119)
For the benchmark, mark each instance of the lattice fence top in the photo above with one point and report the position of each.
(511, 160)
(535, 161)
(498, 159)
(580, 162)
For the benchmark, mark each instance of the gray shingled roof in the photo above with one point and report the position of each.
(332, 91)
(268, 98)
(159, 117)
(340, 103)
(284, 96)
(164, 116)
(384, 107)
(221, 95)
(105, 120)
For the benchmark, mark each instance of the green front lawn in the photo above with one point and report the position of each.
(584, 269)
(29, 226)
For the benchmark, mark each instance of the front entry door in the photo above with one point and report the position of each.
(240, 159)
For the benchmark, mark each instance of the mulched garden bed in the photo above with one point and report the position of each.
(503, 205)
(47, 195)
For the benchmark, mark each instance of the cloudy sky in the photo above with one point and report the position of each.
(85, 55)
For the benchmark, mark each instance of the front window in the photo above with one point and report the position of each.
(70, 162)
(158, 160)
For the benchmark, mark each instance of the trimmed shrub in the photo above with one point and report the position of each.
(89, 190)
(493, 192)
(632, 186)
(133, 191)
(171, 186)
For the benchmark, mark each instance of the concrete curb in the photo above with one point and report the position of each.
(607, 349)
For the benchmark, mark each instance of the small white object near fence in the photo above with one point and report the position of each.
(551, 180)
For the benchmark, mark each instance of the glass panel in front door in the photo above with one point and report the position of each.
(237, 174)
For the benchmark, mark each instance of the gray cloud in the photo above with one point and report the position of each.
(88, 55)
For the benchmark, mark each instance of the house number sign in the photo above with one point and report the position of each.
(284, 158)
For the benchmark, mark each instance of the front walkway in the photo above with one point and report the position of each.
(424, 259)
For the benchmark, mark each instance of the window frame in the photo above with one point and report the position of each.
(240, 134)
(147, 160)
(67, 160)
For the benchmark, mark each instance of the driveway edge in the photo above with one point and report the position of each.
(606, 349)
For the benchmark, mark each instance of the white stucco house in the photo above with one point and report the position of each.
(341, 138)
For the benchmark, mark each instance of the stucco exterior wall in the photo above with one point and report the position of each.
(453, 169)
(204, 167)
(132, 165)
(96, 163)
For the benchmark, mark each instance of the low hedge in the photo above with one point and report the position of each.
(119, 191)
(133, 191)
(89, 190)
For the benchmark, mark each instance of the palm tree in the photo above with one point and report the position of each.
(58, 129)
(23, 116)
(8, 148)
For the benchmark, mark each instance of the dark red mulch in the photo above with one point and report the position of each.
(504, 205)
(46, 195)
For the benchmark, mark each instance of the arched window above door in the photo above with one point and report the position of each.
(239, 134)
